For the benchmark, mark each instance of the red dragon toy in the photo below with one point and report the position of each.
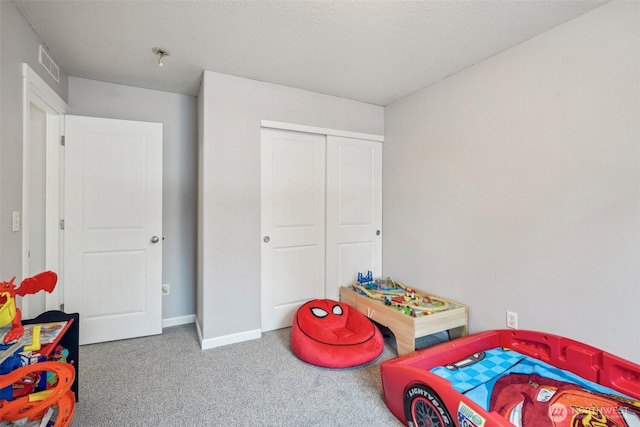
(9, 313)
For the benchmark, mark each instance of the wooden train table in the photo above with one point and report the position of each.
(408, 313)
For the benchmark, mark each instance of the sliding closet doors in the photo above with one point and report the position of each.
(321, 218)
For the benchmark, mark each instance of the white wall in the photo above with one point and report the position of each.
(514, 185)
(178, 114)
(18, 44)
(232, 108)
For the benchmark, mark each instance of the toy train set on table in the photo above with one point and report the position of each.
(410, 301)
(512, 377)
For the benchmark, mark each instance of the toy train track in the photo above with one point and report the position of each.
(394, 293)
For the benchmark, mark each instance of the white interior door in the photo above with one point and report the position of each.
(354, 211)
(293, 223)
(113, 227)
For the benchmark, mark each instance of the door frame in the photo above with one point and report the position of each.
(36, 91)
(321, 131)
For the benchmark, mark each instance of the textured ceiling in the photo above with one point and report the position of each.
(371, 51)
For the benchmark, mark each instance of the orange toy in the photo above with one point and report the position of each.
(34, 406)
(9, 313)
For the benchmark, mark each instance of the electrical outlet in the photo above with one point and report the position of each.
(512, 320)
(166, 289)
(15, 226)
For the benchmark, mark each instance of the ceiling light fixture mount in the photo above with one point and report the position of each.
(161, 52)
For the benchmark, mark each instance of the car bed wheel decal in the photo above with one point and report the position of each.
(423, 408)
(423, 414)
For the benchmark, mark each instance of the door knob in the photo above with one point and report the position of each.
(155, 239)
(266, 239)
(377, 232)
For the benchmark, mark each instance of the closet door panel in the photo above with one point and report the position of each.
(354, 211)
(292, 223)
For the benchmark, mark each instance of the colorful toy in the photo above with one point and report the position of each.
(60, 354)
(503, 378)
(364, 280)
(10, 314)
(34, 406)
(333, 334)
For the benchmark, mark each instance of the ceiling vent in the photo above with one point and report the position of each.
(48, 64)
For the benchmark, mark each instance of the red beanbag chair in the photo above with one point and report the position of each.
(332, 334)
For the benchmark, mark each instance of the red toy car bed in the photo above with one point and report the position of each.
(512, 377)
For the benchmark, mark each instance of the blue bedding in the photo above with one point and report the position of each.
(477, 378)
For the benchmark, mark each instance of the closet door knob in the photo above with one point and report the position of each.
(155, 239)
(377, 232)
(266, 239)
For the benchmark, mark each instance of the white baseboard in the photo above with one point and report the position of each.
(177, 321)
(209, 343)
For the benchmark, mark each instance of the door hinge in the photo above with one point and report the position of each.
(62, 224)
(62, 140)
(62, 307)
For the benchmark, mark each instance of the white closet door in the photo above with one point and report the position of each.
(354, 211)
(293, 223)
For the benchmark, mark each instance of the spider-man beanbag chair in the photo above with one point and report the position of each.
(334, 335)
